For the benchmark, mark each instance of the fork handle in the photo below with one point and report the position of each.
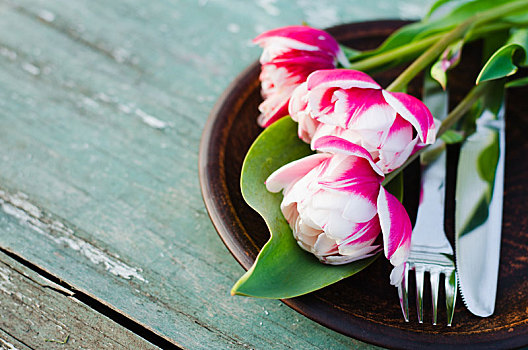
(429, 227)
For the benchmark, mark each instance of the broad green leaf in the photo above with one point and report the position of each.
(517, 83)
(507, 59)
(282, 269)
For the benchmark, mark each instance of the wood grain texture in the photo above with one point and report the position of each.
(37, 313)
(102, 104)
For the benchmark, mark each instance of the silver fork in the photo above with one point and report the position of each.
(430, 250)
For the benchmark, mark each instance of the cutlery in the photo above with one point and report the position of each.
(430, 250)
(478, 212)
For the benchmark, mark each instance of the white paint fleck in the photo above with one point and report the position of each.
(266, 312)
(150, 120)
(6, 285)
(124, 108)
(233, 28)
(7, 345)
(103, 97)
(269, 7)
(20, 200)
(31, 69)
(30, 215)
(90, 103)
(46, 16)
(121, 55)
(8, 53)
(22, 296)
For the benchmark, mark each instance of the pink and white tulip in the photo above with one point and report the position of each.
(351, 105)
(290, 55)
(336, 206)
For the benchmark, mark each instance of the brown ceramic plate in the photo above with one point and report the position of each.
(365, 306)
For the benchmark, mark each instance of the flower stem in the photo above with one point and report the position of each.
(428, 56)
(413, 49)
(458, 112)
(456, 33)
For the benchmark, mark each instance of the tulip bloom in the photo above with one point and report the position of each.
(336, 206)
(290, 55)
(351, 105)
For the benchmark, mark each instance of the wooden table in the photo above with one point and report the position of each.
(104, 238)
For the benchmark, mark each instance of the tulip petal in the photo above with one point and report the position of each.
(300, 38)
(266, 118)
(293, 171)
(345, 259)
(396, 275)
(415, 112)
(396, 227)
(365, 233)
(397, 146)
(324, 246)
(332, 144)
(388, 161)
(361, 207)
(341, 78)
(351, 108)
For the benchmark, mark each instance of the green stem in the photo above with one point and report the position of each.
(460, 110)
(458, 32)
(430, 55)
(387, 57)
(413, 49)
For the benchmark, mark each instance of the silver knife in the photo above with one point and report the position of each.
(478, 212)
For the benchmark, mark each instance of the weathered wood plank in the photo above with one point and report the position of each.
(37, 313)
(101, 109)
(7, 342)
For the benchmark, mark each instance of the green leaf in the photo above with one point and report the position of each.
(349, 52)
(436, 6)
(517, 83)
(452, 136)
(507, 59)
(425, 28)
(282, 269)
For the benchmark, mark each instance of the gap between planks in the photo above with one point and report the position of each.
(98, 306)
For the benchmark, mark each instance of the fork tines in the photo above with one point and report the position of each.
(435, 270)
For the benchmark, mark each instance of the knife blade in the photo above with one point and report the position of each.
(478, 212)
